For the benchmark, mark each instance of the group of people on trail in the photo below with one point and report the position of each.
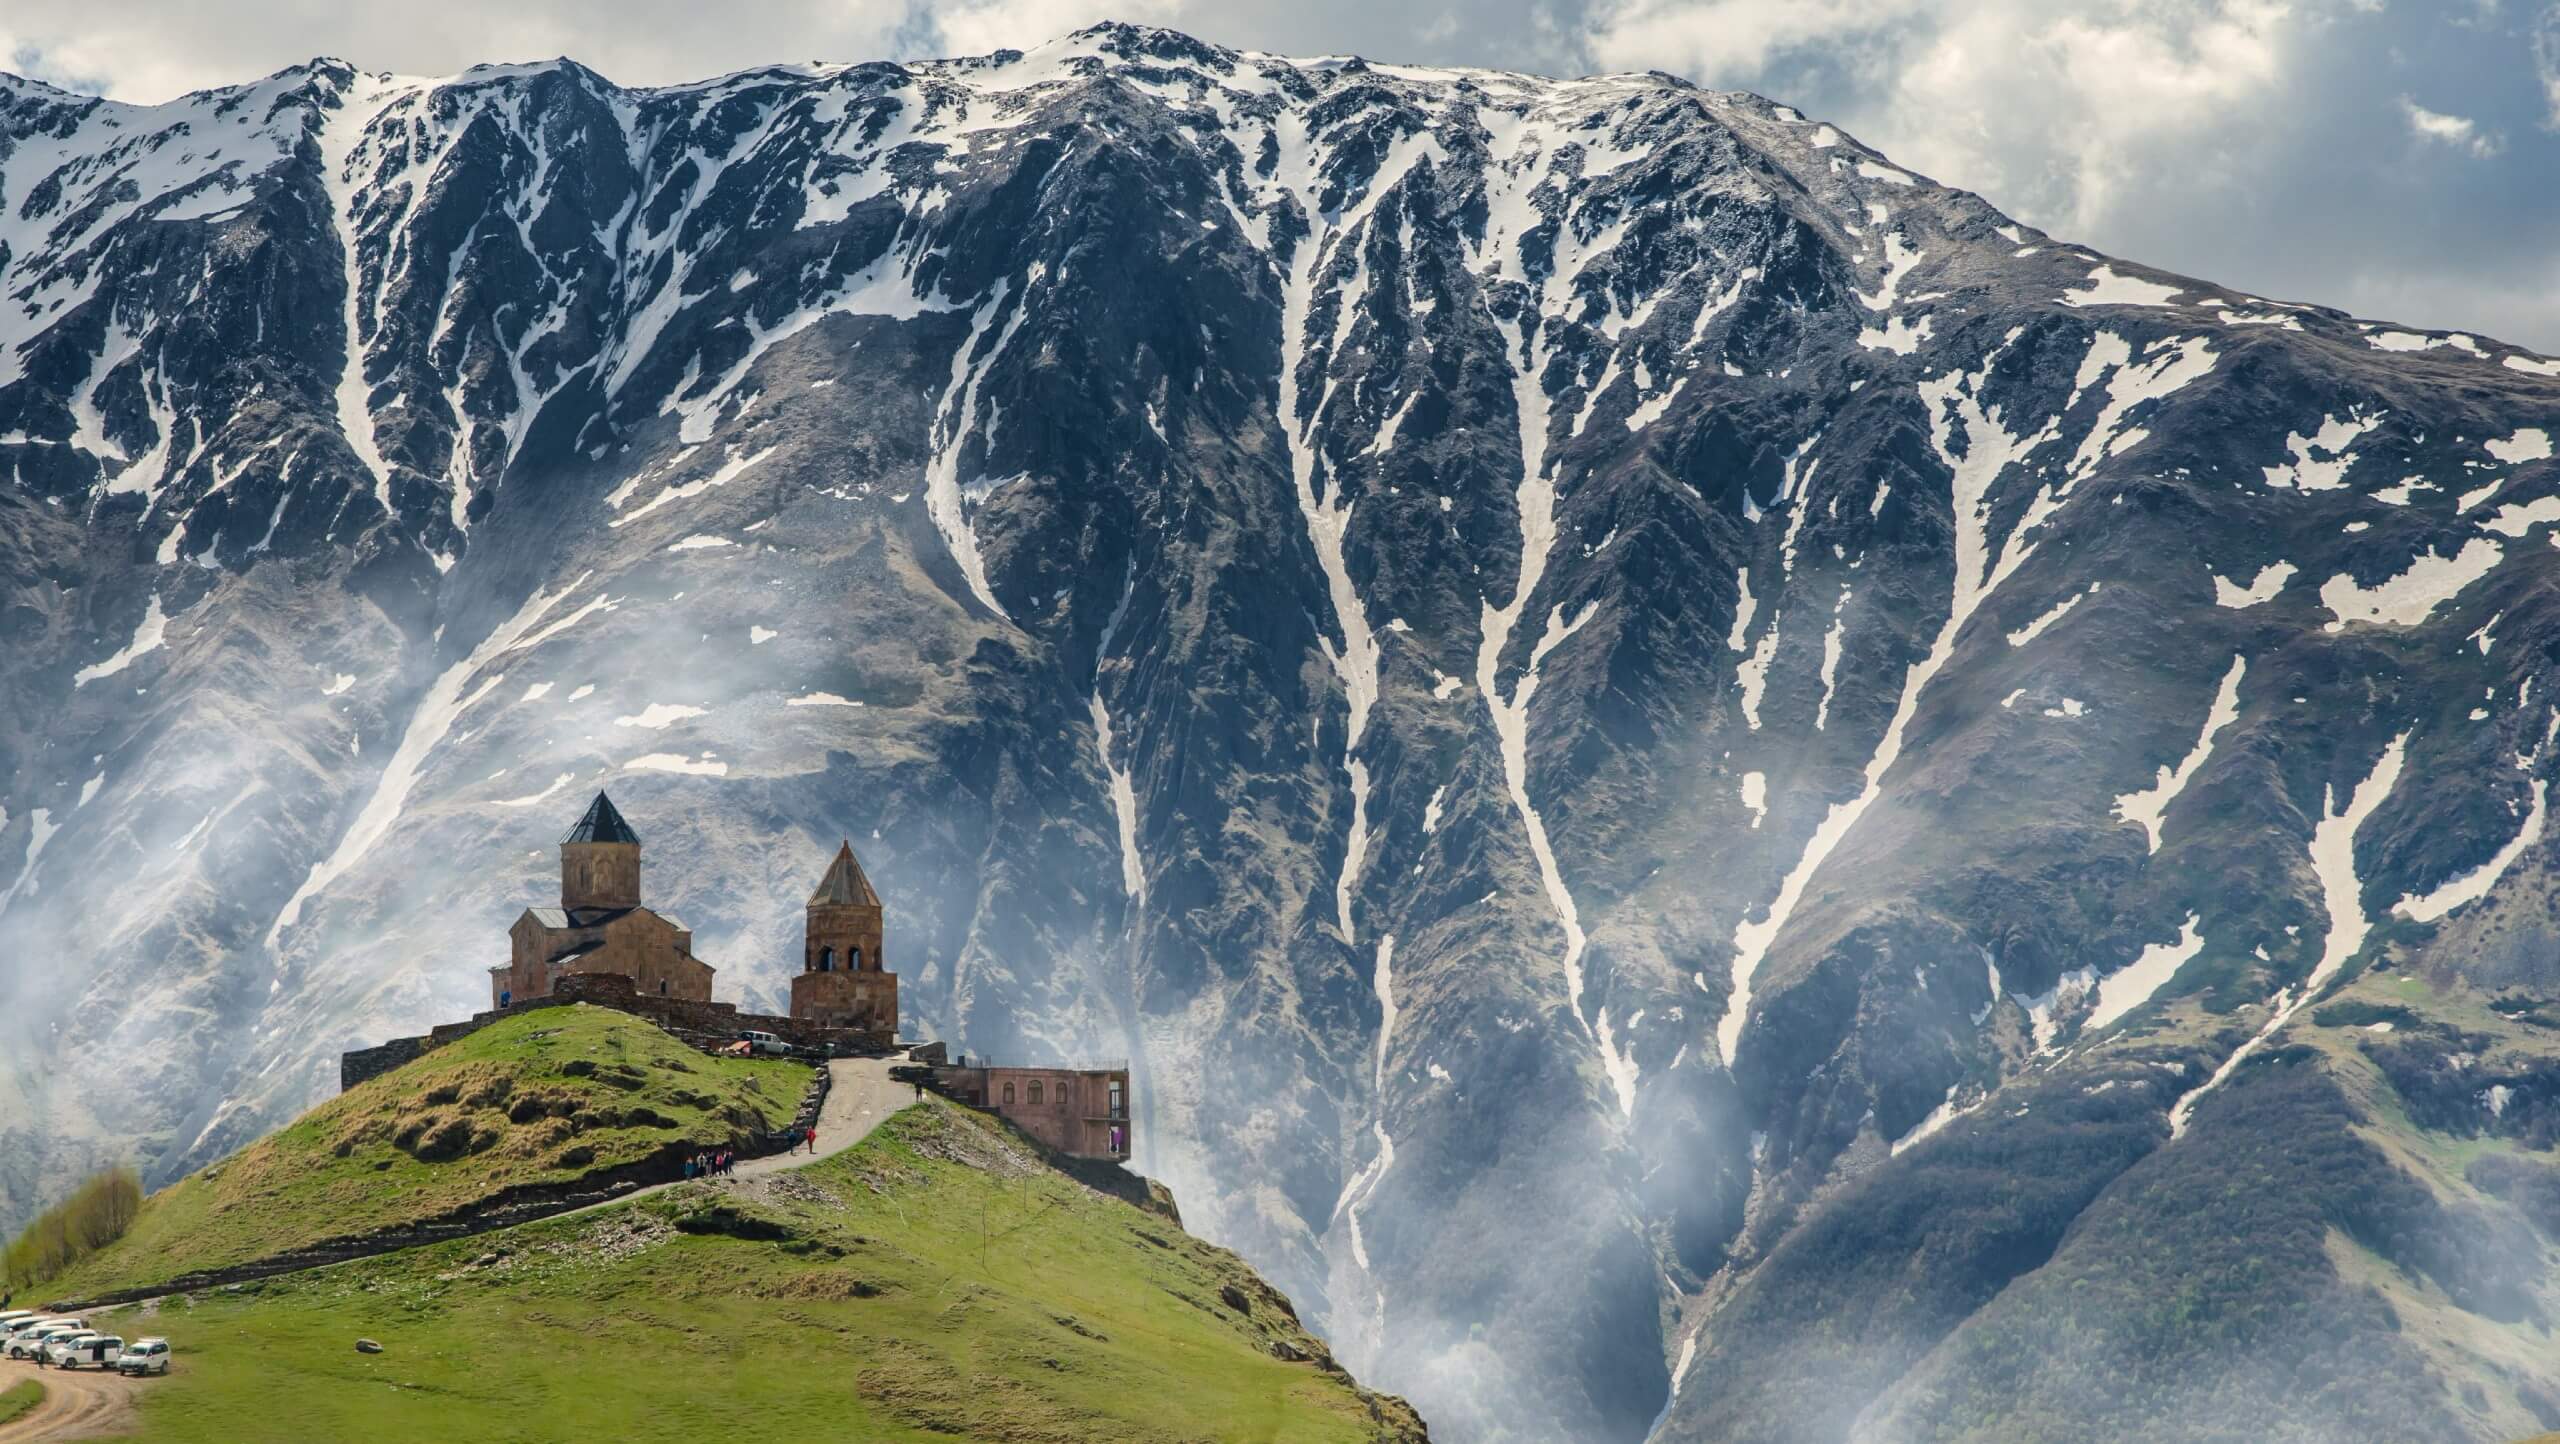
(714, 1163)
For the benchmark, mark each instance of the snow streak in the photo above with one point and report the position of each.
(1514, 174)
(1980, 567)
(2475, 884)
(2150, 805)
(2333, 863)
(436, 712)
(1124, 796)
(365, 100)
(1328, 510)
(1366, 1181)
(954, 419)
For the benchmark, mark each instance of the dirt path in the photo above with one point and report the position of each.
(85, 1405)
(860, 1098)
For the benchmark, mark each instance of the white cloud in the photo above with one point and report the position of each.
(152, 50)
(2054, 107)
(2459, 132)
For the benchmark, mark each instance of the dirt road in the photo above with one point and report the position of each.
(859, 1099)
(84, 1405)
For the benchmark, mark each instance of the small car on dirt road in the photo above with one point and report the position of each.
(765, 1043)
(146, 1356)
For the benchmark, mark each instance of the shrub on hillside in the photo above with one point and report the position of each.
(91, 1218)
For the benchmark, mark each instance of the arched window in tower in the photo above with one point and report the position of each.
(853, 958)
(1008, 1093)
(1035, 1090)
(826, 960)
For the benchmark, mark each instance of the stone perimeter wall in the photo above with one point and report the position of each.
(702, 1024)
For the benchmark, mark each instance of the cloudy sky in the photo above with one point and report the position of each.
(2393, 157)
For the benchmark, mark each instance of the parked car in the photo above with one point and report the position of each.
(14, 1317)
(85, 1351)
(147, 1356)
(765, 1043)
(24, 1343)
(50, 1351)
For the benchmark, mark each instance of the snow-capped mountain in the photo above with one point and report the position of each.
(1718, 793)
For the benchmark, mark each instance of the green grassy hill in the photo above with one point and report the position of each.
(936, 1282)
(546, 1097)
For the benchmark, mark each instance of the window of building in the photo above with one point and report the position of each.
(1066, 1092)
(826, 960)
(1035, 1090)
(1008, 1093)
(662, 987)
(853, 959)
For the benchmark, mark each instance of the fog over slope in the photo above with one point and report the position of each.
(1683, 758)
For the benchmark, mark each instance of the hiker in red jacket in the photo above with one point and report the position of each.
(813, 1140)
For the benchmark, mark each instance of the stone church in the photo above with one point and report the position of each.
(600, 925)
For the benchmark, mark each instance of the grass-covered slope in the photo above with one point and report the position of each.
(936, 1282)
(546, 1097)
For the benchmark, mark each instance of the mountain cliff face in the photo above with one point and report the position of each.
(1718, 793)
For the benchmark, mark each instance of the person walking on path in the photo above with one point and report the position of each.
(812, 1136)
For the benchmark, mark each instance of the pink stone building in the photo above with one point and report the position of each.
(1081, 1112)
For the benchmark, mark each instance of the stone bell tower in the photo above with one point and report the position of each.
(843, 933)
(843, 979)
(600, 860)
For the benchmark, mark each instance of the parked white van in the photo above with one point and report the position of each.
(764, 1042)
(85, 1351)
(147, 1356)
(25, 1342)
(9, 1321)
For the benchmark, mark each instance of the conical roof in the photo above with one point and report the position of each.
(844, 882)
(602, 824)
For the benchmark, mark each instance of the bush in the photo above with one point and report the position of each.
(96, 1215)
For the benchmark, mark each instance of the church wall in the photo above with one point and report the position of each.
(861, 1000)
(655, 955)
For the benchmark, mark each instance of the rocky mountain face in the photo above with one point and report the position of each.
(1719, 795)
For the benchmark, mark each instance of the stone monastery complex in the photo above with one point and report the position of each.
(602, 927)
(601, 944)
